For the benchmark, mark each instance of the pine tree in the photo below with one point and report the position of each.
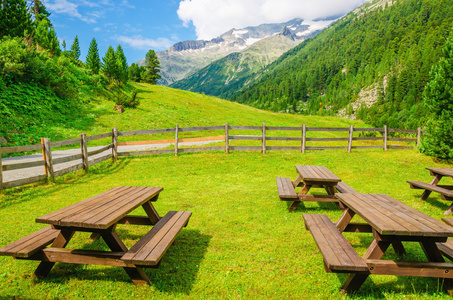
(75, 49)
(134, 73)
(45, 35)
(64, 45)
(122, 64)
(15, 20)
(438, 97)
(110, 65)
(93, 61)
(152, 66)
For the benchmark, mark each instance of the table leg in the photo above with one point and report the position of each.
(305, 189)
(151, 212)
(60, 241)
(449, 210)
(294, 205)
(297, 181)
(399, 248)
(355, 281)
(435, 181)
(433, 254)
(115, 244)
(345, 219)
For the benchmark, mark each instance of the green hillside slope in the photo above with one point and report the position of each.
(386, 52)
(230, 74)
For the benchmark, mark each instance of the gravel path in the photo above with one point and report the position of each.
(35, 171)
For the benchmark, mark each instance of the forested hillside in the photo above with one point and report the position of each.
(389, 49)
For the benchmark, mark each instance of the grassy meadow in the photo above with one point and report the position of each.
(241, 241)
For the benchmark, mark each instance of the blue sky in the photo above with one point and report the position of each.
(140, 25)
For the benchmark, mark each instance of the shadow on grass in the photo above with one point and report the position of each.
(176, 274)
(304, 209)
(443, 204)
(20, 195)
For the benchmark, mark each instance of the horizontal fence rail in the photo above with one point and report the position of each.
(261, 134)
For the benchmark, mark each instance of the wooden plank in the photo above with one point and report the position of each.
(326, 139)
(49, 162)
(99, 136)
(246, 137)
(282, 138)
(369, 129)
(402, 140)
(245, 127)
(201, 128)
(227, 139)
(351, 131)
(141, 132)
(68, 170)
(245, 148)
(99, 159)
(105, 148)
(368, 138)
(136, 220)
(115, 144)
(419, 136)
(399, 147)
(65, 143)
(201, 149)
(16, 149)
(24, 165)
(32, 243)
(282, 148)
(84, 149)
(24, 181)
(402, 130)
(304, 138)
(283, 128)
(147, 152)
(263, 142)
(418, 269)
(286, 190)
(325, 148)
(430, 187)
(367, 147)
(64, 159)
(176, 140)
(171, 141)
(326, 129)
(441, 171)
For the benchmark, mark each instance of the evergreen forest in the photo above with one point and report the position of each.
(390, 49)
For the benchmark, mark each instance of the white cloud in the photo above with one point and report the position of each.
(141, 43)
(214, 17)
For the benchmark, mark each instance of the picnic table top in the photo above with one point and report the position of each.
(392, 217)
(317, 174)
(441, 171)
(103, 210)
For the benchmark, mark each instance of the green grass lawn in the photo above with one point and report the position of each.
(241, 241)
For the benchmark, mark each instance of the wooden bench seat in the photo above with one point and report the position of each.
(149, 250)
(446, 193)
(343, 188)
(29, 245)
(286, 190)
(337, 252)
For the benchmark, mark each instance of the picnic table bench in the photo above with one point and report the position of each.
(311, 177)
(391, 223)
(100, 215)
(446, 191)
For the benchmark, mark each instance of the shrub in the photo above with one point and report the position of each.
(125, 101)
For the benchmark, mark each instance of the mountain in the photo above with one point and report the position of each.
(371, 64)
(186, 58)
(230, 74)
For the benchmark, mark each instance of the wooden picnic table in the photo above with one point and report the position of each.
(100, 215)
(392, 223)
(446, 191)
(315, 177)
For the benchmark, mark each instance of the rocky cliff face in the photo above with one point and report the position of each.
(185, 58)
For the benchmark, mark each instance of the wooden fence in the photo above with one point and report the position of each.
(83, 157)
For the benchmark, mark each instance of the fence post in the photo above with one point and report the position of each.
(351, 130)
(385, 138)
(1, 171)
(227, 139)
(115, 144)
(419, 136)
(264, 139)
(176, 140)
(84, 146)
(304, 137)
(48, 155)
